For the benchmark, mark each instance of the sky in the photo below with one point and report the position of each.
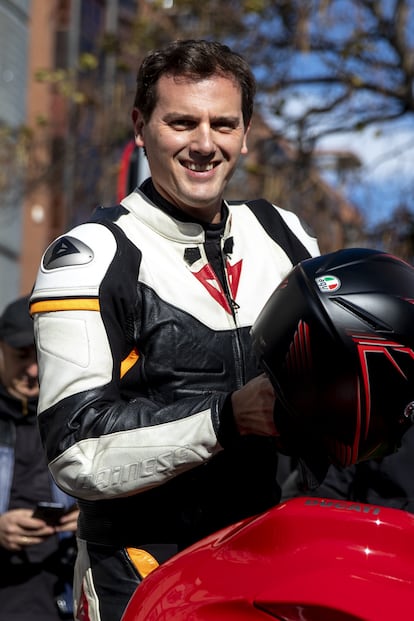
(386, 152)
(363, 41)
(387, 175)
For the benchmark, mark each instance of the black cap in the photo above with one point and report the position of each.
(16, 325)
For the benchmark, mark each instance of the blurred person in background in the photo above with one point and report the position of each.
(36, 558)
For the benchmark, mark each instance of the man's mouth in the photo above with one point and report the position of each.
(30, 382)
(198, 167)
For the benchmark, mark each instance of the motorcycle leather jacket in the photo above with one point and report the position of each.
(140, 345)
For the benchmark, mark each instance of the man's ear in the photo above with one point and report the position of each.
(138, 122)
(244, 150)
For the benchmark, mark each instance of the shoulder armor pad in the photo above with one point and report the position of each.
(67, 251)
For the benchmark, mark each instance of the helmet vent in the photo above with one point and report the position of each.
(363, 315)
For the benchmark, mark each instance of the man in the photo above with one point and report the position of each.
(153, 410)
(36, 558)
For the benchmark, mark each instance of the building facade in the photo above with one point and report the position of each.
(14, 36)
(50, 161)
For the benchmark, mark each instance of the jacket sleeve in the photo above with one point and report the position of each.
(99, 443)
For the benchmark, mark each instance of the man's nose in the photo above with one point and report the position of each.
(32, 369)
(202, 140)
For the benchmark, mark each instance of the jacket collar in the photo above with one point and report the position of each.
(167, 219)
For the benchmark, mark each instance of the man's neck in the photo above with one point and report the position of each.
(148, 188)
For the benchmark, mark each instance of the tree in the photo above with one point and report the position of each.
(396, 234)
(349, 62)
(322, 66)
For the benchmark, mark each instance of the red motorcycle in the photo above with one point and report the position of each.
(341, 328)
(308, 559)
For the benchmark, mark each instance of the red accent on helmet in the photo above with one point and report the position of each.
(341, 362)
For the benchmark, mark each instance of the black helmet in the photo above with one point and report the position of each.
(336, 339)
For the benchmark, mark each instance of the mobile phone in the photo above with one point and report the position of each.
(49, 512)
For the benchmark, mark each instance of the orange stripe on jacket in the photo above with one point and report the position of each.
(129, 361)
(89, 304)
(48, 306)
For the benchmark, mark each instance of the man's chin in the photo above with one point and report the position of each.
(24, 393)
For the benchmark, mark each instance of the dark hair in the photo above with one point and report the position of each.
(196, 60)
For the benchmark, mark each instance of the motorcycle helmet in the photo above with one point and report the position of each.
(336, 339)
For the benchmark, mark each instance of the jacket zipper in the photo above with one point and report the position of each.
(237, 346)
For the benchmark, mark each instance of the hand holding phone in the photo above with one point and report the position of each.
(49, 512)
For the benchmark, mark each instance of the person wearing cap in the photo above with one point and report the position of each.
(35, 558)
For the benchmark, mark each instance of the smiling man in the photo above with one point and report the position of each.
(153, 410)
(193, 148)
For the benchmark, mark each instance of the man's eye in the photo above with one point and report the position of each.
(224, 127)
(182, 124)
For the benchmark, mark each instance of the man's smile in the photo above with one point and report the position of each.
(198, 167)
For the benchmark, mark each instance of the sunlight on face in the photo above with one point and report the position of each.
(193, 141)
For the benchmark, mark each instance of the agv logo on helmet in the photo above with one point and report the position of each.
(328, 284)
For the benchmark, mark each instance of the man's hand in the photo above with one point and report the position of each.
(18, 529)
(253, 407)
(69, 521)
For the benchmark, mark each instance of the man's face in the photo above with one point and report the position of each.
(193, 141)
(19, 371)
